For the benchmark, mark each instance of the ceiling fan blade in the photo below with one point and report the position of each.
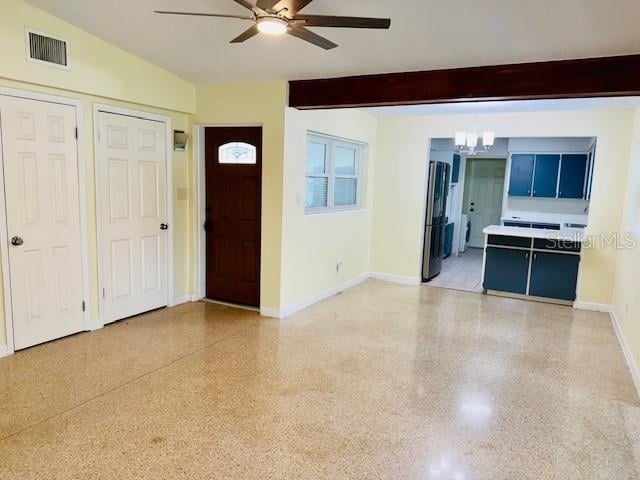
(245, 4)
(309, 36)
(267, 4)
(246, 35)
(292, 6)
(344, 22)
(196, 14)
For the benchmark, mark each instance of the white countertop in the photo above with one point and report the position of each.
(528, 217)
(569, 234)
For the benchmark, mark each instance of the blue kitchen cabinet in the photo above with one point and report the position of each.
(545, 179)
(572, 175)
(506, 270)
(448, 239)
(455, 169)
(554, 275)
(521, 177)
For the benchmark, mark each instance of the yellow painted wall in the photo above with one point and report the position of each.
(97, 68)
(103, 74)
(263, 104)
(314, 244)
(626, 301)
(400, 183)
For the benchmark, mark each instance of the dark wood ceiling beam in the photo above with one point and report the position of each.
(592, 77)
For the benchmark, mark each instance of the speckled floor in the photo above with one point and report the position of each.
(383, 381)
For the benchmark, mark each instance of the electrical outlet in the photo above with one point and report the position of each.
(338, 267)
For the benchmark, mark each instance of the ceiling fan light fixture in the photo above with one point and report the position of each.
(272, 25)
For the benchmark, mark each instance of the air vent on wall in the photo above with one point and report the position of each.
(47, 49)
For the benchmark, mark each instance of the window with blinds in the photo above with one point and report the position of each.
(333, 169)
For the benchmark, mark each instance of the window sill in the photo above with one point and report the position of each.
(334, 210)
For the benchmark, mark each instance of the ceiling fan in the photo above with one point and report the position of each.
(276, 17)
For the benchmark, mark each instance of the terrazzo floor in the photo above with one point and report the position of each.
(383, 381)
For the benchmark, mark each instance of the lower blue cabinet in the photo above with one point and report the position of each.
(506, 270)
(554, 275)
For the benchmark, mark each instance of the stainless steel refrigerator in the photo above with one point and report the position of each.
(436, 219)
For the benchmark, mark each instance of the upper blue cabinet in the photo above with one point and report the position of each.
(455, 170)
(572, 175)
(521, 177)
(550, 175)
(545, 180)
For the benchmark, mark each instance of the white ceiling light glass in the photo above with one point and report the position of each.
(468, 142)
(272, 25)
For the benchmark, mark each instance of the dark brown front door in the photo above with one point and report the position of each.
(233, 157)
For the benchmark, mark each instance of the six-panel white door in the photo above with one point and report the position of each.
(132, 199)
(39, 151)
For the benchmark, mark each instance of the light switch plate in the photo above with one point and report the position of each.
(183, 194)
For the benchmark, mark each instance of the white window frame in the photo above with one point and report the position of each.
(330, 144)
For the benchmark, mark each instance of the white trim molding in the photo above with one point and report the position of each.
(626, 350)
(182, 299)
(388, 277)
(270, 312)
(4, 351)
(296, 307)
(593, 307)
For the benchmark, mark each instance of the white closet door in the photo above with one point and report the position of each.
(40, 159)
(131, 163)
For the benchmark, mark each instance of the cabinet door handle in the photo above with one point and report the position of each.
(526, 256)
(535, 255)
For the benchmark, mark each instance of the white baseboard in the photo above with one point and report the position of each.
(387, 277)
(181, 300)
(631, 362)
(270, 312)
(593, 307)
(94, 324)
(4, 351)
(296, 307)
(196, 298)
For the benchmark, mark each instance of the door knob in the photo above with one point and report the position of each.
(17, 241)
(164, 226)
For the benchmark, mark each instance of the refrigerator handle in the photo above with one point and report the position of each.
(430, 192)
(426, 251)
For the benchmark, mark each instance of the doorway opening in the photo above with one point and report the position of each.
(541, 183)
(472, 199)
(232, 214)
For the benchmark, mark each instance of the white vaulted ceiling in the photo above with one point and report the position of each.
(425, 34)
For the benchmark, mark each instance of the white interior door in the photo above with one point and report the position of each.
(485, 197)
(132, 199)
(39, 151)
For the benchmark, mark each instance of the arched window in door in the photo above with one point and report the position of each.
(237, 153)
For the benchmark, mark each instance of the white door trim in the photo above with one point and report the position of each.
(97, 108)
(89, 324)
(200, 254)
